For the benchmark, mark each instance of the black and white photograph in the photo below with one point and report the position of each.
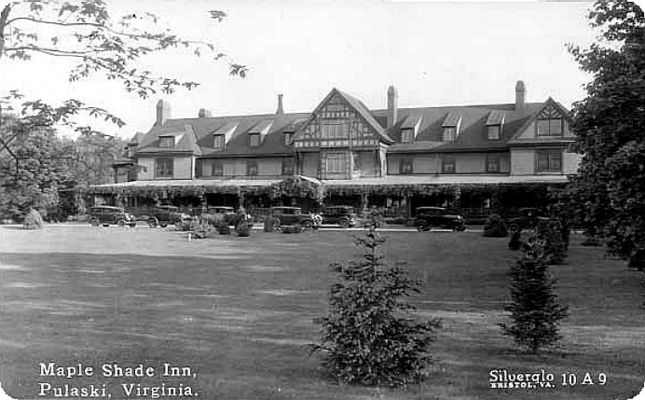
(352, 200)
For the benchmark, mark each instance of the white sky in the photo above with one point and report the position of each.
(434, 53)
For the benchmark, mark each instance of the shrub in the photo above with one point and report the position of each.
(292, 228)
(223, 228)
(495, 226)
(591, 241)
(516, 241)
(554, 244)
(535, 312)
(203, 230)
(33, 220)
(213, 219)
(243, 230)
(269, 224)
(367, 335)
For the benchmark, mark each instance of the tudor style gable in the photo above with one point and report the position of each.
(341, 140)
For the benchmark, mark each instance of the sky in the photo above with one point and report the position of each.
(434, 53)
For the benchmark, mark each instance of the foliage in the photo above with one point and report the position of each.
(516, 241)
(243, 229)
(298, 186)
(270, 223)
(223, 228)
(368, 336)
(202, 230)
(495, 226)
(608, 193)
(33, 220)
(554, 243)
(534, 308)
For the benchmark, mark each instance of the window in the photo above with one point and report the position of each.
(287, 166)
(448, 165)
(254, 139)
(407, 135)
(549, 122)
(251, 168)
(288, 138)
(198, 168)
(449, 133)
(218, 142)
(163, 167)
(492, 163)
(335, 163)
(218, 169)
(493, 132)
(167, 142)
(334, 128)
(405, 166)
(549, 161)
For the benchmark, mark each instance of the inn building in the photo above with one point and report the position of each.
(475, 157)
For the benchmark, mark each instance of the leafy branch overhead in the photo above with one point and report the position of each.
(85, 31)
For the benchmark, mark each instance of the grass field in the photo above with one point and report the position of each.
(239, 312)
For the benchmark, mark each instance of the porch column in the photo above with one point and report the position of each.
(364, 205)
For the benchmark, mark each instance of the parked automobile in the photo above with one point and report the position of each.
(344, 216)
(438, 217)
(227, 214)
(529, 218)
(166, 215)
(106, 215)
(291, 216)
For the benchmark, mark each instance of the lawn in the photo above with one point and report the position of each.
(239, 312)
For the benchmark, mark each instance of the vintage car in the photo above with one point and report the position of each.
(343, 216)
(166, 215)
(106, 215)
(438, 217)
(529, 218)
(291, 216)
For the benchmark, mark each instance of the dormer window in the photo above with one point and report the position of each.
(449, 133)
(451, 126)
(494, 132)
(167, 142)
(219, 141)
(549, 122)
(254, 140)
(288, 138)
(407, 135)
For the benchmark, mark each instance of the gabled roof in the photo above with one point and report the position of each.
(185, 141)
(546, 139)
(262, 127)
(473, 131)
(452, 119)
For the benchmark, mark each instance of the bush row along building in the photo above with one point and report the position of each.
(479, 157)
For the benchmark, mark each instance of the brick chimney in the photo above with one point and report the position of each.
(520, 95)
(204, 113)
(392, 106)
(163, 112)
(280, 110)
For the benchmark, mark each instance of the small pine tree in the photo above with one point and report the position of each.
(367, 336)
(555, 246)
(243, 230)
(534, 307)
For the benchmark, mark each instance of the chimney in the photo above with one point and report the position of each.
(163, 112)
(204, 113)
(279, 110)
(392, 106)
(520, 95)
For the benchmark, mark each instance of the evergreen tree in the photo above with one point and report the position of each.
(368, 336)
(535, 311)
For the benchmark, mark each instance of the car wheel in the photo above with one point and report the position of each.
(276, 225)
(306, 225)
(94, 222)
(106, 225)
(163, 224)
(120, 222)
(152, 222)
(343, 223)
(514, 227)
(421, 227)
(132, 225)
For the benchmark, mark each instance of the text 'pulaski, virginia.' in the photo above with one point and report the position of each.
(78, 389)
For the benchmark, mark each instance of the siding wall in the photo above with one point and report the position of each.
(237, 166)
(522, 161)
(570, 162)
(182, 168)
(466, 163)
